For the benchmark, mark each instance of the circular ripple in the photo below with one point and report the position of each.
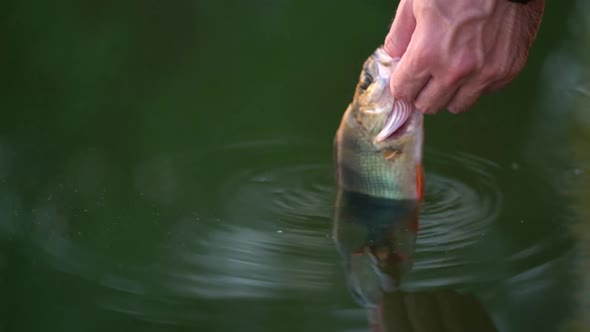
(461, 201)
(275, 202)
(295, 197)
(263, 231)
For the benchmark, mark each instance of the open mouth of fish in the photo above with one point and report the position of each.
(397, 121)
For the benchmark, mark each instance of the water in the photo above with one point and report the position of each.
(168, 167)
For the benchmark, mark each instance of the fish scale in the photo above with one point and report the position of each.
(378, 146)
(363, 169)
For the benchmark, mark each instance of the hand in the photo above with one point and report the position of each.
(453, 51)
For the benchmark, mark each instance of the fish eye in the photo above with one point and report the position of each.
(366, 81)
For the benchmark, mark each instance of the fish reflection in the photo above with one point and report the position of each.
(437, 311)
(376, 239)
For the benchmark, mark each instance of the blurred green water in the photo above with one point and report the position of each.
(167, 166)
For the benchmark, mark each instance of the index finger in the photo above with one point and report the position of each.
(412, 73)
(401, 30)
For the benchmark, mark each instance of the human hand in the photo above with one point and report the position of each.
(453, 51)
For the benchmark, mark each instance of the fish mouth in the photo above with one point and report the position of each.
(396, 123)
(381, 55)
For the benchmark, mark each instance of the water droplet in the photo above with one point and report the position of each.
(261, 179)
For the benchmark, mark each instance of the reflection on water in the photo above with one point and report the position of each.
(265, 234)
(376, 239)
(458, 210)
(437, 311)
(260, 233)
(257, 232)
(580, 139)
(456, 215)
(461, 201)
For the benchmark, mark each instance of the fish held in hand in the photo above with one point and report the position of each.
(378, 146)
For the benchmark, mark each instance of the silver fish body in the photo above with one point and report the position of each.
(378, 146)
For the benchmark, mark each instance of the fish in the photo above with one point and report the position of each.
(380, 180)
(378, 145)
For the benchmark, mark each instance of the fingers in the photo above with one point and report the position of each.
(435, 96)
(413, 70)
(464, 100)
(401, 30)
(431, 80)
(453, 52)
(407, 81)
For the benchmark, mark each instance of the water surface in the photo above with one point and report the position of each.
(168, 167)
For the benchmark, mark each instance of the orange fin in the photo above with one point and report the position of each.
(420, 182)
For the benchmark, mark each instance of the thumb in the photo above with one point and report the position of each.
(401, 30)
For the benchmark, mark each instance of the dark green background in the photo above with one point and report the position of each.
(166, 166)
